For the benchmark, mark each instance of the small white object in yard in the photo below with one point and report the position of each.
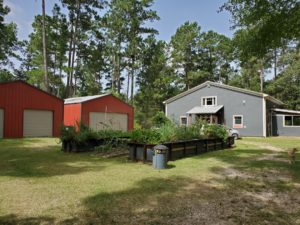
(292, 155)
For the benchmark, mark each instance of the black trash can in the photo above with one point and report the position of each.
(159, 160)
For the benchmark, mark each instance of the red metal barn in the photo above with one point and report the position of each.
(26, 111)
(99, 112)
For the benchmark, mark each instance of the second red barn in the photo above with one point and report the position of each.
(99, 112)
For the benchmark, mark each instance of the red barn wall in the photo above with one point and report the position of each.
(72, 114)
(109, 104)
(17, 96)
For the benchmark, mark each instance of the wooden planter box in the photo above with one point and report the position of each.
(178, 149)
(71, 146)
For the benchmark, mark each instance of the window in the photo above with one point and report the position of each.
(237, 121)
(291, 121)
(209, 101)
(183, 120)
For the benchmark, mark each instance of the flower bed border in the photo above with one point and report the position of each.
(179, 149)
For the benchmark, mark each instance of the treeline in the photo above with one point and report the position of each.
(95, 46)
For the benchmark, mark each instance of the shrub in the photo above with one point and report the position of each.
(168, 132)
(67, 133)
(143, 136)
(215, 131)
(160, 119)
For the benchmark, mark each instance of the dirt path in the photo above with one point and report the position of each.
(271, 156)
(264, 146)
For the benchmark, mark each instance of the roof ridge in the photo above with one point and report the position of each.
(216, 84)
(81, 99)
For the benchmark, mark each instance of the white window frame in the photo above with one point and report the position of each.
(206, 97)
(180, 122)
(233, 121)
(283, 120)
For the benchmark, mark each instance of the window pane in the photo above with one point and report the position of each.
(288, 121)
(296, 120)
(183, 120)
(209, 101)
(238, 120)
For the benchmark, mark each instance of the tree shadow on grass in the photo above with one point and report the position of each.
(40, 159)
(181, 200)
(12, 219)
(258, 161)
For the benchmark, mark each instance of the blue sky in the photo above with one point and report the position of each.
(173, 13)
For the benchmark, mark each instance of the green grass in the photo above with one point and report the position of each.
(282, 142)
(39, 184)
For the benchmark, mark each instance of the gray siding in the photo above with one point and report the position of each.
(252, 110)
(281, 130)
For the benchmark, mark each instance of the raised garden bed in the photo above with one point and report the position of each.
(179, 149)
(72, 146)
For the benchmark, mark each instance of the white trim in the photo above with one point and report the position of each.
(286, 111)
(205, 97)
(166, 110)
(186, 121)
(283, 121)
(233, 121)
(264, 117)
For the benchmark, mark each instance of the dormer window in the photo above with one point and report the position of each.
(209, 101)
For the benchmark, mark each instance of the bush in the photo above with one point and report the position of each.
(143, 136)
(170, 132)
(67, 133)
(215, 131)
(160, 119)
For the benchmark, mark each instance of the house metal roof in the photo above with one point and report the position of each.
(287, 111)
(207, 83)
(83, 99)
(205, 109)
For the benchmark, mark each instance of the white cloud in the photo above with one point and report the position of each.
(18, 16)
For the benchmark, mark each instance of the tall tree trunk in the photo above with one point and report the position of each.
(114, 73)
(132, 81)
(118, 82)
(128, 84)
(275, 63)
(46, 79)
(70, 56)
(74, 49)
(262, 77)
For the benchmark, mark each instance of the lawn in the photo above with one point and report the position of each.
(252, 183)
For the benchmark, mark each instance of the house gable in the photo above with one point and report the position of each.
(248, 104)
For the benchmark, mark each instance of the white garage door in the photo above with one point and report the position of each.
(37, 123)
(115, 121)
(1, 122)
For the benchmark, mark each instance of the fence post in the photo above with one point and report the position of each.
(170, 151)
(134, 152)
(145, 153)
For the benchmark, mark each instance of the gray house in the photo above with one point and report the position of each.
(251, 113)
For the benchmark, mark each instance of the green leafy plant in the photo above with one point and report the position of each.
(143, 136)
(215, 131)
(160, 119)
(67, 133)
